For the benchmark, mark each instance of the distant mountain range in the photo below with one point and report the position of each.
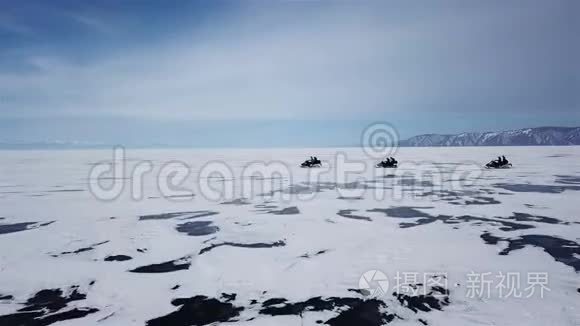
(541, 136)
(51, 144)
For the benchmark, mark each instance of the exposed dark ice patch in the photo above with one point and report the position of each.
(402, 211)
(568, 179)
(142, 250)
(243, 224)
(423, 218)
(181, 215)
(525, 217)
(197, 228)
(6, 297)
(180, 196)
(80, 250)
(23, 226)
(363, 292)
(243, 245)
(265, 206)
(464, 197)
(480, 200)
(199, 214)
(366, 313)
(237, 202)
(524, 187)
(348, 214)
(106, 317)
(47, 307)
(436, 298)
(352, 311)
(66, 190)
(559, 155)
(118, 258)
(228, 297)
(12, 192)
(503, 225)
(186, 196)
(261, 177)
(318, 253)
(349, 198)
(535, 206)
(311, 188)
(294, 190)
(413, 183)
(198, 310)
(164, 216)
(564, 251)
(166, 267)
(349, 311)
(409, 212)
(490, 239)
(292, 210)
(273, 301)
(177, 286)
(74, 313)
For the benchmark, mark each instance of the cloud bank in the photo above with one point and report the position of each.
(301, 60)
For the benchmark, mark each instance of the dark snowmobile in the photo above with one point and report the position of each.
(388, 163)
(313, 162)
(500, 163)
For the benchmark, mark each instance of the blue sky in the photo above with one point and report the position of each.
(292, 73)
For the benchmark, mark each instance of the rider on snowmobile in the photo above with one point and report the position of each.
(504, 161)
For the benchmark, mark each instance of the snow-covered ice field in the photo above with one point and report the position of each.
(447, 242)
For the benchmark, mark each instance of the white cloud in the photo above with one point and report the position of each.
(345, 62)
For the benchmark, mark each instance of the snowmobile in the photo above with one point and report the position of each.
(311, 163)
(387, 165)
(498, 165)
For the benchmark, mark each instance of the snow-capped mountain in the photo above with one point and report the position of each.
(519, 137)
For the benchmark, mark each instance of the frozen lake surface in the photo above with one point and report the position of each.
(438, 241)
